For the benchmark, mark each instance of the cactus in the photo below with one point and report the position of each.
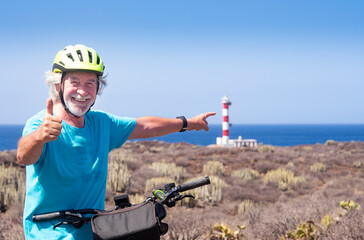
(153, 183)
(118, 176)
(213, 168)
(246, 174)
(305, 231)
(208, 194)
(327, 220)
(318, 167)
(247, 205)
(169, 170)
(349, 205)
(283, 177)
(12, 186)
(224, 232)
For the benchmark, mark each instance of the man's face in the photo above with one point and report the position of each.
(79, 91)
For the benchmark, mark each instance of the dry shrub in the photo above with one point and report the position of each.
(10, 229)
(213, 168)
(349, 226)
(265, 166)
(138, 179)
(157, 183)
(266, 148)
(255, 191)
(357, 164)
(8, 157)
(169, 170)
(186, 225)
(330, 142)
(134, 165)
(247, 205)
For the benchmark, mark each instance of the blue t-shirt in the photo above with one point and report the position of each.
(71, 172)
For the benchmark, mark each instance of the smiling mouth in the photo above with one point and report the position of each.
(80, 99)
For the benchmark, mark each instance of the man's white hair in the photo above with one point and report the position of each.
(52, 79)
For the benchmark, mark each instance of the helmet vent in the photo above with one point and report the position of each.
(90, 56)
(70, 56)
(98, 60)
(60, 62)
(79, 54)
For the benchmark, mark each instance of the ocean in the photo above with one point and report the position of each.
(273, 134)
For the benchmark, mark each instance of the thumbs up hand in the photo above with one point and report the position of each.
(51, 126)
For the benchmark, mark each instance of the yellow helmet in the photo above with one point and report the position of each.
(78, 58)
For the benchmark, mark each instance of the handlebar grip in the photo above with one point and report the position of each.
(194, 184)
(47, 216)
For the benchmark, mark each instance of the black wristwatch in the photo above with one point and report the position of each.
(184, 120)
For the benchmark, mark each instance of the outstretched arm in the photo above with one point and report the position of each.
(147, 127)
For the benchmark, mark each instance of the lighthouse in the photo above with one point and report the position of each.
(225, 119)
(225, 140)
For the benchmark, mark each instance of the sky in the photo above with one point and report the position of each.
(279, 62)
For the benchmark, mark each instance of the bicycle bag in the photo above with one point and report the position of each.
(138, 222)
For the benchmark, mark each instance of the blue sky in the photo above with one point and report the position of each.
(278, 61)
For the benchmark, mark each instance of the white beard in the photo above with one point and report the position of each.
(78, 109)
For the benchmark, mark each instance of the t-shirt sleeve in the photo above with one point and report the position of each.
(33, 124)
(120, 130)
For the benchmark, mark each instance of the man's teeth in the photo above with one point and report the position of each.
(81, 99)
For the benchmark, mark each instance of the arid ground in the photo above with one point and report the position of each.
(300, 192)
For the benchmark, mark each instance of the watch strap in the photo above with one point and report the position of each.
(184, 121)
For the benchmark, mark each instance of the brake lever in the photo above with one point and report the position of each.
(180, 197)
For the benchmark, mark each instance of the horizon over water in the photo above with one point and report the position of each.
(272, 134)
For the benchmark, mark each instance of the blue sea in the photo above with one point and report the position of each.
(273, 134)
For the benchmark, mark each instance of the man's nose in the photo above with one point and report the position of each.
(82, 91)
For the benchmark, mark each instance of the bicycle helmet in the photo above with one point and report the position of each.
(78, 58)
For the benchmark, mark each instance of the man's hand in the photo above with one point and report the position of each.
(51, 126)
(199, 122)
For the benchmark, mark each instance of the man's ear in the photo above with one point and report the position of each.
(57, 87)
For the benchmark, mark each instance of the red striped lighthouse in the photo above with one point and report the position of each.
(225, 119)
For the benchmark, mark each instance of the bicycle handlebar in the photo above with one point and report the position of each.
(171, 195)
(48, 216)
(194, 184)
(64, 214)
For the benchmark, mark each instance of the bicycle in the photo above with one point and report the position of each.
(127, 221)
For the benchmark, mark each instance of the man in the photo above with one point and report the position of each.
(66, 146)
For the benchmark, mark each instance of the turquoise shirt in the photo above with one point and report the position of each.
(71, 172)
